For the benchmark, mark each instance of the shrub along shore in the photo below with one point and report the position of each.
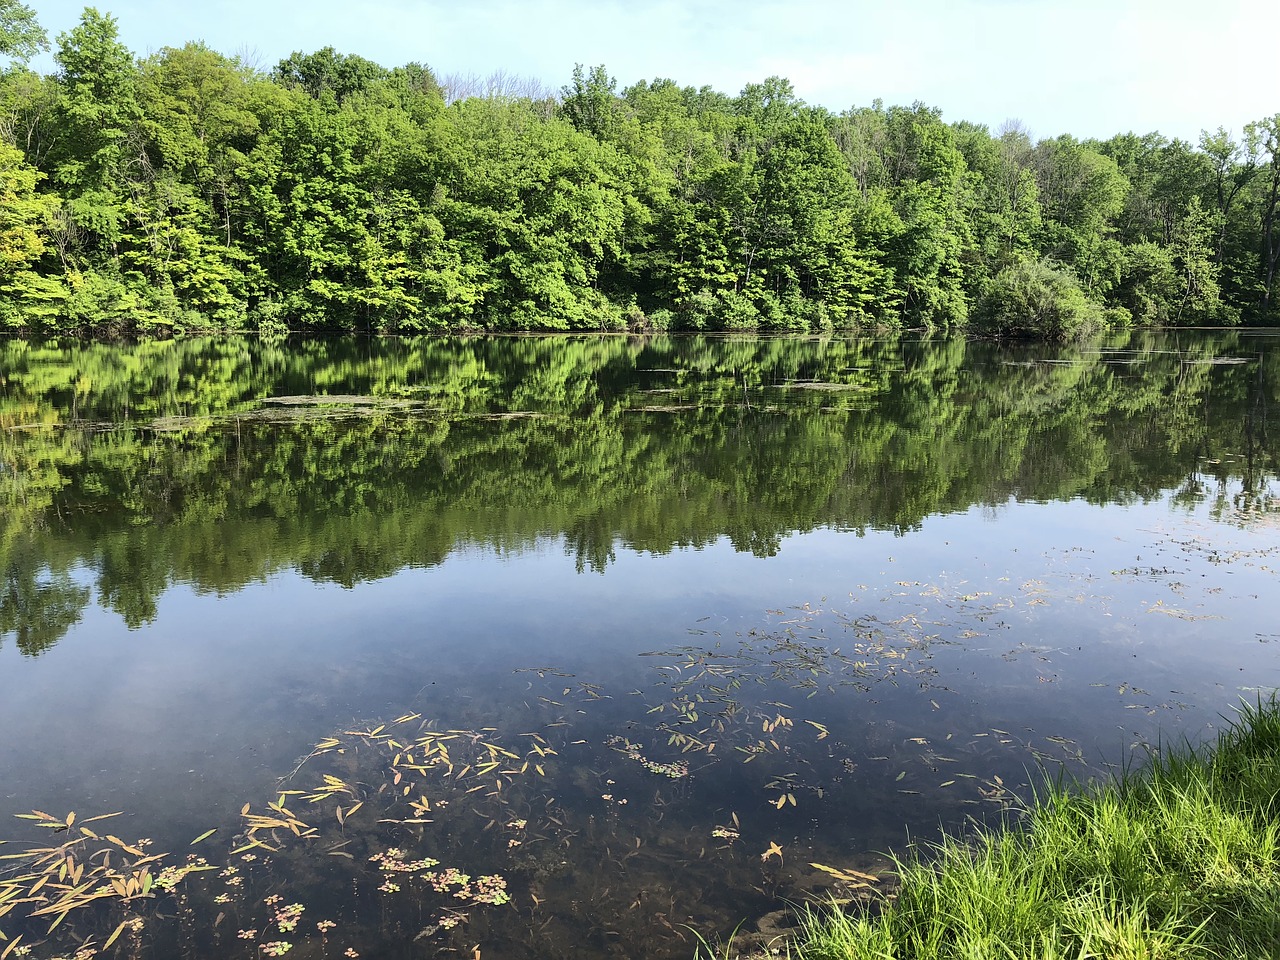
(1179, 859)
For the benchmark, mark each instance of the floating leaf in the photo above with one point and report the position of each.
(855, 877)
(103, 816)
(115, 934)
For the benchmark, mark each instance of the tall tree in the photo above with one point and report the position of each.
(1269, 135)
(327, 72)
(23, 214)
(1234, 164)
(590, 101)
(21, 36)
(96, 113)
(1082, 192)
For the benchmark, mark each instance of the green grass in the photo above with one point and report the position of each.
(1179, 859)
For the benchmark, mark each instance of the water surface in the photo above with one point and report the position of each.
(650, 634)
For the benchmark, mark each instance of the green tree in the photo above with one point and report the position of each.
(98, 110)
(1268, 131)
(590, 101)
(1082, 192)
(328, 72)
(1037, 299)
(1192, 249)
(929, 191)
(21, 36)
(199, 122)
(91, 162)
(23, 214)
(1006, 216)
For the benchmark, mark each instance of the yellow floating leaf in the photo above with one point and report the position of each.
(103, 816)
(204, 836)
(848, 876)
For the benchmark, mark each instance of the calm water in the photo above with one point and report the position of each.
(636, 631)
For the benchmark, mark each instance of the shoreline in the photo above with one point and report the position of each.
(1179, 858)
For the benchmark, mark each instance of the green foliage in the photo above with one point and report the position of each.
(97, 109)
(336, 194)
(1179, 860)
(328, 73)
(22, 213)
(21, 36)
(1037, 300)
(589, 103)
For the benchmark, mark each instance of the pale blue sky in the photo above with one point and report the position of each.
(1086, 67)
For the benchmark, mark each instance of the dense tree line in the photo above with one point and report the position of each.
(188, 191)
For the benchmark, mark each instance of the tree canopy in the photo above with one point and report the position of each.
(187, 190)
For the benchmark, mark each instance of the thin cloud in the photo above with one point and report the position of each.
(1091, 68)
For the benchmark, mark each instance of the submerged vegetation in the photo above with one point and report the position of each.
(1178, 859)
(536, 836)
(404, 830)
(189, 191)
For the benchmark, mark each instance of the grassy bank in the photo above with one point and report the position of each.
(1179, 859)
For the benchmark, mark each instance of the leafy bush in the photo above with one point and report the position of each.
(1036, 299)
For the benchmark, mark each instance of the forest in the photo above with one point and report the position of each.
(189, 191)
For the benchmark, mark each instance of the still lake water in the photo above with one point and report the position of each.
(571, 647)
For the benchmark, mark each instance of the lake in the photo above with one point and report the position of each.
(593, 646)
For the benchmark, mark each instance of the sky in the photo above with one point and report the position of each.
(1091, 68)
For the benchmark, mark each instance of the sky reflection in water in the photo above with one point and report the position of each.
(854, 681)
